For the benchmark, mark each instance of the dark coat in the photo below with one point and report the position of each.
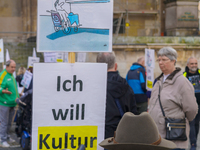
(19, 79)
(136, 78)
(117, 88)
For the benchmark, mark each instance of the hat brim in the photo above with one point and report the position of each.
(164, 145)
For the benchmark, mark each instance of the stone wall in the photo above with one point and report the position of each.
(127, 50)
(126, 58)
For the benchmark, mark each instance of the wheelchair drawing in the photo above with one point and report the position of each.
(71, 22)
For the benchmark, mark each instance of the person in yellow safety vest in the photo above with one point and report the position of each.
(192, 73)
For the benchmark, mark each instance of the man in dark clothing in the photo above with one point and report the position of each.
(120, 97)
(136, 78)
(193, 74)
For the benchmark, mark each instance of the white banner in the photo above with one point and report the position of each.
(32, 60)
(1, 51)
(68, 105)
(50, 57)
(149, 78)
(150, 58)
(74, 25)
(26, 80)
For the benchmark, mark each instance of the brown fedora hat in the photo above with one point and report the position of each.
(137, 132)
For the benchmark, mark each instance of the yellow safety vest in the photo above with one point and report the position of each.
(185, 73)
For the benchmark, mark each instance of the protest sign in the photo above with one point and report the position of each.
(66, 57)
(1, 51)
(150, 58)
(32, 60)
(149, 78)
(68, 105)
(34, 52)
(150, 65)
(81, 57)
(26, 80)
(59, 57)
(74, 25)
(7, 55)
(50, 57)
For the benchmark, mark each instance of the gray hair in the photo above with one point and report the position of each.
(140, 59)
(168, 52)
(8, 63)
(192, 57)
(108, 58)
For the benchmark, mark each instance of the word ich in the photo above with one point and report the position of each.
(68, 82)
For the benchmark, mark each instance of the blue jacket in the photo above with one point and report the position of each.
(136, 78)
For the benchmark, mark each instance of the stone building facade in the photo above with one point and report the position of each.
(138, 24)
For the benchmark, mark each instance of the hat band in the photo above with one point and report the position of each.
(157, 142)
(154, 143)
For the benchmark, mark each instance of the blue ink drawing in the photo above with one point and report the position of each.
(149, 60)
(62, 30)
(66, 21)
(62, 20)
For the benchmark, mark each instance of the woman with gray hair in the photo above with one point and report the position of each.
(172, 95)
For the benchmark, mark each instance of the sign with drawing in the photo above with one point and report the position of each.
(150, 65)
(150, 58)
(74, 25)
(26, 80)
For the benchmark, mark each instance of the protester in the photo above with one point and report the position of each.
(176, 95)
(137, 133)
(120, 97)
(136, 78)
(8, 94)
(192, 73)
(20, 74)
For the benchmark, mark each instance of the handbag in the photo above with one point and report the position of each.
(175, 128)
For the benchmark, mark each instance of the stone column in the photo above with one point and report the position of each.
(181, 17)
(29, 15)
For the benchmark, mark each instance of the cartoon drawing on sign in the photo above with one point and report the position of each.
(62, 20)
(149, 60)
(75, 25)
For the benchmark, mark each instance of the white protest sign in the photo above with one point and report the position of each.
(32, 60)
(50, 57)
(7, 55)
(150, 65)
(81, 57)
(150, 58)
(149, 78)
(34, 52)
(59, 57)
(68, 105)
(1, 51)
(26, 80)
(66, 57)
(74, 26)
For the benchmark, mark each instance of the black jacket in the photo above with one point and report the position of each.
(117, 88)
(19, 79)
(195, 80)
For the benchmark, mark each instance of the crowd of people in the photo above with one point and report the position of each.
(129, 124)
(175, 95)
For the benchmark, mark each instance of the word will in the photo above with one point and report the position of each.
(63, 115)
